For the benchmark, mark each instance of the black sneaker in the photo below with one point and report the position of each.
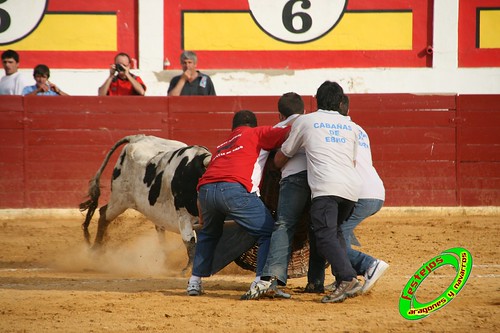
(312, 288)
(344, 290)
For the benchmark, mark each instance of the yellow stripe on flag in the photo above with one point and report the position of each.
(356, 31)
(72, 32)
(489, 29)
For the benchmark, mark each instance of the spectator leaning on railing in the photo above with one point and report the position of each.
(120, 81)
(43, 86)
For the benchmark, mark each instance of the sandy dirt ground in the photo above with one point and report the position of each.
(51, 282)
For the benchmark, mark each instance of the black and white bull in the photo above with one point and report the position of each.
(156, 177)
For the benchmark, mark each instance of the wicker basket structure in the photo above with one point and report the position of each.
(298, 264)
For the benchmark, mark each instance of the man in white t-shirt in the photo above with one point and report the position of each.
(330, 141)
(13, 82)
(371, 199)
(294, 195)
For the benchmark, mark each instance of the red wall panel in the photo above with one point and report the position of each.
(429, 150)
(478, 149)
(11, 151)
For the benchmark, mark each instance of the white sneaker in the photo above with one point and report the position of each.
(278, 293)
(373, 273)
(257, 290)
(194, 288)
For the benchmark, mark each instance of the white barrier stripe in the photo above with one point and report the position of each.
(24, 269)
(452, 276)
(485, 266)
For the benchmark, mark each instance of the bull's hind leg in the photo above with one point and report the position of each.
(191, 248)
(106, 216)
(160, 231)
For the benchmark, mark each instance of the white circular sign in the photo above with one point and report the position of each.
(18, 18)
(297, 21)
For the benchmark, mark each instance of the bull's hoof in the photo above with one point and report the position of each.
(97, 248)
(186, 271)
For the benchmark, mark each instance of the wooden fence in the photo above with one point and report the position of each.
(429, 150)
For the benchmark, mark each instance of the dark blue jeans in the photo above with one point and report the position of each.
(327, 241)
(230, 201)
(360, 261)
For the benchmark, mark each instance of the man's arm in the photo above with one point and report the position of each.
(280, 159)
(103, 90)
(39, 88)
(56, 89)
(136, 85)
(176, 90)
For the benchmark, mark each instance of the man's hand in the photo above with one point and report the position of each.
(44, 87)
(112, 70)
(188, 76)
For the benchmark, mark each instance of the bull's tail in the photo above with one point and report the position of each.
(94, 191)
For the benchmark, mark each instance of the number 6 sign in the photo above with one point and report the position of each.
(297, 21)
(18, 18)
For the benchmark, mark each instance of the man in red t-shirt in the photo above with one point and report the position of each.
(120, 81)
(229, 191)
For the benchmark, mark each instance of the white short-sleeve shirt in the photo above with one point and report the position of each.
(298, 162)
(330, 141)
(13, 84)
(372, 186)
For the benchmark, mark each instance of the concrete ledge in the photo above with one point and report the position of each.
(55, 213)
(70, 213)
(440, 211)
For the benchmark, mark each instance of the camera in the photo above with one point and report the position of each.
(119, 68)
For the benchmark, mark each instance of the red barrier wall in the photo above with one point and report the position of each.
(429, 150)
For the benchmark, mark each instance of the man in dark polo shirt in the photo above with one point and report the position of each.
(191, 81)
(120, 81)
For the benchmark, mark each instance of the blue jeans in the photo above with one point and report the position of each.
(293, 197)
(363, 209)
(360, 261)
(230, 201)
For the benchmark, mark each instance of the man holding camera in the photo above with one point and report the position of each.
(120, 81)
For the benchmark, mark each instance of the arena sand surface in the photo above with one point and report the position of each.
(50, 281)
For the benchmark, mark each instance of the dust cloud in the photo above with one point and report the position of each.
(141, 256)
